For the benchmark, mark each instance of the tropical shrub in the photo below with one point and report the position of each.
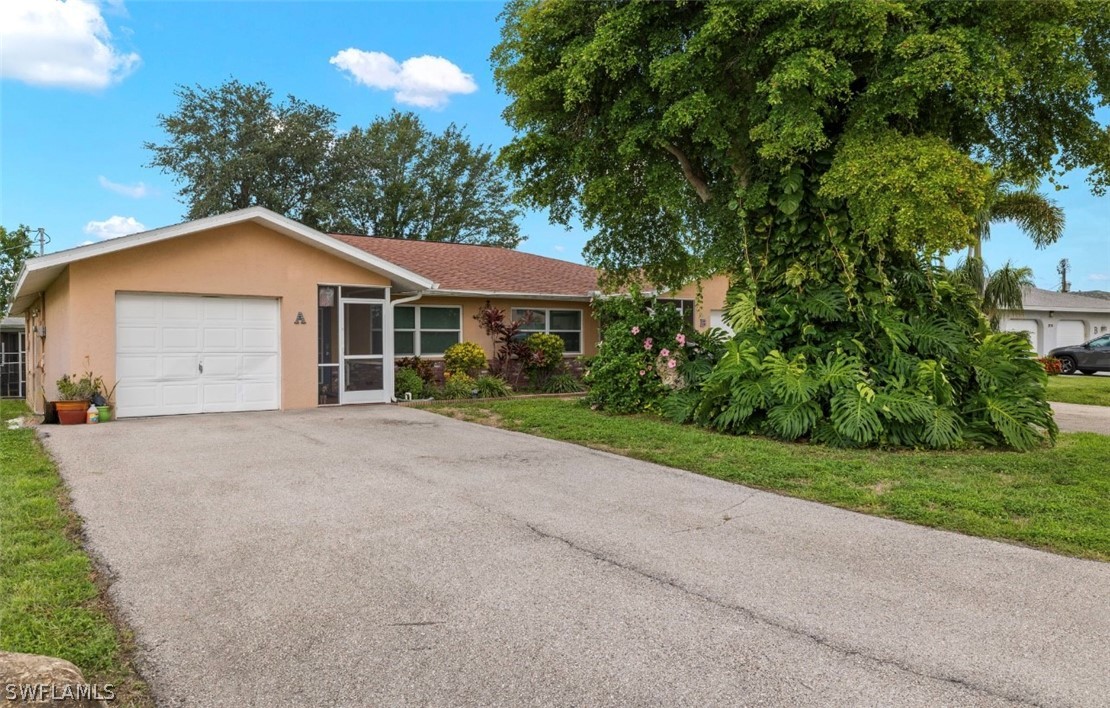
(490, 386)
(425, 369)
(928, 380)
(505, 333)
(407, 381)
(464, 357)
(458, 386)
(543, 352)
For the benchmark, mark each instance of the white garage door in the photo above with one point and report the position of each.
(1069, 332)
(189, 354)
(1030, 327)
(717, 319)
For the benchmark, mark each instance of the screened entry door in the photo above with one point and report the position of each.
(362, 333)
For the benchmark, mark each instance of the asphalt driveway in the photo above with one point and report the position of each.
(388, 556)
(1080, 418)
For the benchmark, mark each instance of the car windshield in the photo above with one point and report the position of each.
(1103, 341)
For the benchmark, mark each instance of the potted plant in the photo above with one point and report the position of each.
(74, 396)
(102, 399)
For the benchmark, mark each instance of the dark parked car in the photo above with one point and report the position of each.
(1087, 358)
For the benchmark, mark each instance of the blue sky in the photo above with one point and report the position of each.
(72, 126)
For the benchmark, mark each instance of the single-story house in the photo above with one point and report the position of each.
(1055, 319)
(13, 365)
(253, 311)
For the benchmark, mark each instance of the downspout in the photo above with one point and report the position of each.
(393, 349)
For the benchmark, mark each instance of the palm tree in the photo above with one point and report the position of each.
(1036, 216)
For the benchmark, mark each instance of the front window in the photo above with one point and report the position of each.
(567, 324)
(425, 330)
(684, 307)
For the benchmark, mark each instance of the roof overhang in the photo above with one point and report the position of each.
(38, 273)
(584, 297)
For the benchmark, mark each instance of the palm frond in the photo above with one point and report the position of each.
(1035, 214)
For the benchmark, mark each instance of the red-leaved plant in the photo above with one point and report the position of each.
(507, 342)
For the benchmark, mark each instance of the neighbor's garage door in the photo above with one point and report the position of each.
(1070, 332)
(189, 354)
(1030, 327)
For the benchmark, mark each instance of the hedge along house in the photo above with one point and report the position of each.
(253, 311)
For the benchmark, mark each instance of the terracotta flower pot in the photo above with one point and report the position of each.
(71, 412)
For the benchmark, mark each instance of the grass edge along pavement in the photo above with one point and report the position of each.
(1085, 390)
(52, 599)
(1052, 498)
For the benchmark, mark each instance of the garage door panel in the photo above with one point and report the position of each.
(1070, 332)
(179, 366)
(217, 338)
(142, 366)
(259, 394)
(180, 339)
(255, 339)
(131, 338)
(260, 365)
(221, 365)
(220, 308)
(191, 354)
(135, 309)
(181, 394)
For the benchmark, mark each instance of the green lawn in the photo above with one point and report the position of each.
(50, 602)
(1054, 498)
(1092, 390)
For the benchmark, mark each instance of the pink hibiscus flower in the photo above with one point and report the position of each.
(635, 330)
(681, 339)
(647, 343)
(664, 352)
(642, 372)
(672, 363)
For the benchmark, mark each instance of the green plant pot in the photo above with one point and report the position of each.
(104, 413)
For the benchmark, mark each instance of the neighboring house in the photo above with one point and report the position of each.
(1055, 319)
(253, 311)
(13, 358)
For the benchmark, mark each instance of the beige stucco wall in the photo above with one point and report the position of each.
(708, 294)
(472, 332)
(241, 260)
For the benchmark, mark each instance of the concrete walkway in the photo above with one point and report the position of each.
(389, 556)
(1077, 418)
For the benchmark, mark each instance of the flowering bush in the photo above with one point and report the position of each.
(642, 354)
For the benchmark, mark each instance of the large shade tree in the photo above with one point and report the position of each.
(16, 246)
(234, 145)
(826, 155)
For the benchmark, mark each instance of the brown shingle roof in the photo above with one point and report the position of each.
(466, 267)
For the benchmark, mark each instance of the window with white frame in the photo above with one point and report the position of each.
(425, 330)
(567, 324)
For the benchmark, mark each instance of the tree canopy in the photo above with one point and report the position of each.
(16, 246)
(676, 129)
(234, 146)
(826, 154)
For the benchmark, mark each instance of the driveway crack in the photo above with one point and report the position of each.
(753, 615)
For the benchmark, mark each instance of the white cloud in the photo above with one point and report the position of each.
(1098, 276)
(54, 43)
(559, 249)
(137, 191)
(426, 81)
(114, 227)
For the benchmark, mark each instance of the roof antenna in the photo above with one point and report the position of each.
(44, 239)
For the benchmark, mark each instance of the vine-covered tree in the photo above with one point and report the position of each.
(826, 155)
(16, 246)
(234, 146)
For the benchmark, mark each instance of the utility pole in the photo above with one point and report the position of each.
(1062, 269)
